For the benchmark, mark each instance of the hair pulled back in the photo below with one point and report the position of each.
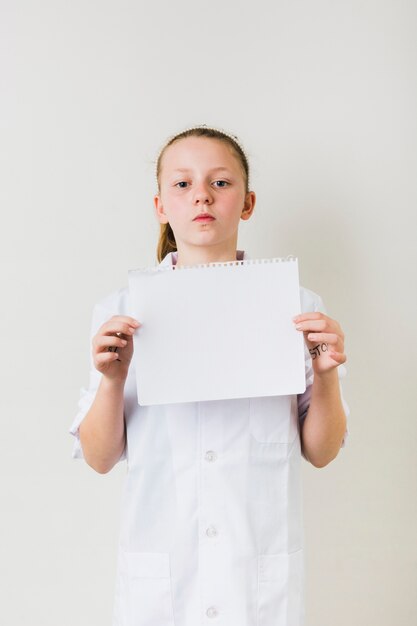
(167, 243)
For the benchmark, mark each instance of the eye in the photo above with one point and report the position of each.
(181, 185)
(220, 183)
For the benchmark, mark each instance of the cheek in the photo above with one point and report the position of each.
(170, 203)
(235, 203)
(175, 212)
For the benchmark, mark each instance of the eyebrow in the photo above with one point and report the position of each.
(214, 169)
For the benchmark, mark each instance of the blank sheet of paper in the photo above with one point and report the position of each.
(217, 331)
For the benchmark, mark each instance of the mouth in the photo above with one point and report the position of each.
(204, 217)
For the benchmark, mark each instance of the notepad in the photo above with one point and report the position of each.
(217, 331)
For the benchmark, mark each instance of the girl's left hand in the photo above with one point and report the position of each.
(324, 339)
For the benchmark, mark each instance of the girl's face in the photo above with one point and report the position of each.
(198, 176)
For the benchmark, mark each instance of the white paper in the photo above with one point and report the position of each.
(217, 331)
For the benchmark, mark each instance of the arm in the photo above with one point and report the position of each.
(102, 431)
(324, 426)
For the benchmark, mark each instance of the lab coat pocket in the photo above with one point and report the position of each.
(280, 589)
(273, 419)
(149, 588)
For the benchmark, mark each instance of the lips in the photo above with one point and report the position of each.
(204, 217)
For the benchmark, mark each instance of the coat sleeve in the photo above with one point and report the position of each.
(101, 313)
(304, 399)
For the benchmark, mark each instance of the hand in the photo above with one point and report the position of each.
(116, 334)
(324, 339)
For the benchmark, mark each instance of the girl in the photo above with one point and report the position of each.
(211, 526)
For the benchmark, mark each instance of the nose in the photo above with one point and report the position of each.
(202, 194)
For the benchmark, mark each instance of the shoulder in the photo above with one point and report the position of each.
(310, 301)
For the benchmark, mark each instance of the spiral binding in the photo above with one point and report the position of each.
(164, 268)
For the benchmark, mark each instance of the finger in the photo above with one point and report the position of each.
(312, 326)
(330, 338)
(103, 358)
(105, 341)
(111, 328)
(125, 318)
(339, 357)
(331, 324)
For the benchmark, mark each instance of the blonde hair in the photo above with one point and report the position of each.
(167, 243)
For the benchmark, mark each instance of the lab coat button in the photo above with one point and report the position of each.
(211, 455)
(212, 612)
(211, 531)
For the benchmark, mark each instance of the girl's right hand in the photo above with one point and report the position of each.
(116, 333)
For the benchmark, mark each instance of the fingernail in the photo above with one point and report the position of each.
(299, 327)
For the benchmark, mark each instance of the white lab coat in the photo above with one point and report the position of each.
(211, 529)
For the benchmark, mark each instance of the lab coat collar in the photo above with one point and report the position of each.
(171, 257)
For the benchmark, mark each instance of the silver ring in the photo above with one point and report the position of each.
(114, 348)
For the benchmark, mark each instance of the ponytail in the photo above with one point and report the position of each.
(166, 243)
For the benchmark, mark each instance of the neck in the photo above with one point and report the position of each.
(197, 255)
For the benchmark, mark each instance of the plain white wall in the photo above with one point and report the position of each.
(323, 96)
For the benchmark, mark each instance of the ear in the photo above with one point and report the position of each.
(249, 205)
(159, 210)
